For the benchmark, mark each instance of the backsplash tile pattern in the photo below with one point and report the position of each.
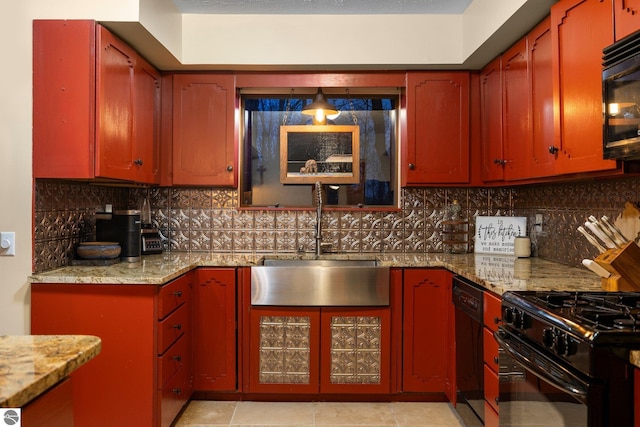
(208, 219)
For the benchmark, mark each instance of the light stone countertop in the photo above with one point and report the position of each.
(497, 273)
(31, 364)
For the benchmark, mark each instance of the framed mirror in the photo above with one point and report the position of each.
(327, 154)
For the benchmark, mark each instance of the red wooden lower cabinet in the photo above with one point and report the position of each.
(54, 408)
(214, 328)
(491, 418)
(429, 342)
(143, 374)
(310, 350)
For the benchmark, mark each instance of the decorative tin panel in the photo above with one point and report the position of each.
(355, 350)
(285, 350)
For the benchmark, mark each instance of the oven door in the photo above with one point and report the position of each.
(537, 391)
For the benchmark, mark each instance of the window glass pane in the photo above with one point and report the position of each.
(376, 117)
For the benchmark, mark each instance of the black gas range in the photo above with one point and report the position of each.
(576, 342)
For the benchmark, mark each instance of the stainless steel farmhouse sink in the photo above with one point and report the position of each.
(319, 282)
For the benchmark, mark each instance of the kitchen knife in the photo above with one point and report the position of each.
(596, 268)
(619, 237)
(592, 239)
(600, 235)
(604, 229)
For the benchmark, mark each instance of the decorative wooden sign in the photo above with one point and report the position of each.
(497, 234)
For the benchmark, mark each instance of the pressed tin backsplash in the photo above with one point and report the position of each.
(208, 219)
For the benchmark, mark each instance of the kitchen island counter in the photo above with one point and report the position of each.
(31, 364)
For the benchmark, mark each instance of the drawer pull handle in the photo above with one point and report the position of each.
(495, 360)
(178, 294)
(177, 358)
(497, 401)
(177, 391)
(178, 326)
(496, 320)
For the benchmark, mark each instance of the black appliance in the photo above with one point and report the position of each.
(150, 241)
(467, 300)
(122, 226)
(573, 349)
(621, 96)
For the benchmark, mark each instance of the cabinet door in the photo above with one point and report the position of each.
(355, 350)
(204, 130)
(428, 342)
(541, 90)
(284, 350)
(491, 121)
(515, 109)
(437, 128)
(580, 29)
(215, 330)
(115, 150)
(626, 16)
(63, 99)
(124, 373)
(147, 123)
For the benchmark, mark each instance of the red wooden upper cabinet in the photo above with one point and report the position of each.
(493, 160)
(626, 15)
(96, 105)
(541, 81)
(580, 30)
(516, 107)
(437, 149)
(204, 130)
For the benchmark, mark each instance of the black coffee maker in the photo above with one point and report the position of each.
(122, 226)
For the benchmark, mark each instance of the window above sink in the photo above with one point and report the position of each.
(265, 113)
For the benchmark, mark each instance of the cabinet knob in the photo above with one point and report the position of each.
(495, 360)
(178, 294)
(178, 326)
(553, 149)
(177, 358)
(500, 162)
(138, 162)
(177, 391)
(229, 168)
(412, 166)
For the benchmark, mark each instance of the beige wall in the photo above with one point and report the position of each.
(416, 41)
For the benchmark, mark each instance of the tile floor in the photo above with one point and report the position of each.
(201, 413)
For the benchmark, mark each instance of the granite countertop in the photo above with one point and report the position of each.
(31, 364)
(498, 273)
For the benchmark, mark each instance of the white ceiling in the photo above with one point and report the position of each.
(327, 7)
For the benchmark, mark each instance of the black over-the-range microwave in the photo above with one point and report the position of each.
(621, 98)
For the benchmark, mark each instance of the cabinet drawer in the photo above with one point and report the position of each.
(491, 418)
(491, 387)
(172, 328)
(173, 397)
(490, 348)
(492, 310)
(172, 295)
(171, 361)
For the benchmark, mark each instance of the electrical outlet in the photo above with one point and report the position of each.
(537, 224)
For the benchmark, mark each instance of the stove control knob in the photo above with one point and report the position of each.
(507, 315)
(565, 345)
(548, 337)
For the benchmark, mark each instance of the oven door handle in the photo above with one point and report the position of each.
(577, 388)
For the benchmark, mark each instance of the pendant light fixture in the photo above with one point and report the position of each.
(319, 109)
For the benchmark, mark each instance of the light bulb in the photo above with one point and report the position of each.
(320, 115)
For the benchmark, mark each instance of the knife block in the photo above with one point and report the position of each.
(624, 266)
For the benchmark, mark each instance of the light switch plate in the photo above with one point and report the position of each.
(7, 243)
